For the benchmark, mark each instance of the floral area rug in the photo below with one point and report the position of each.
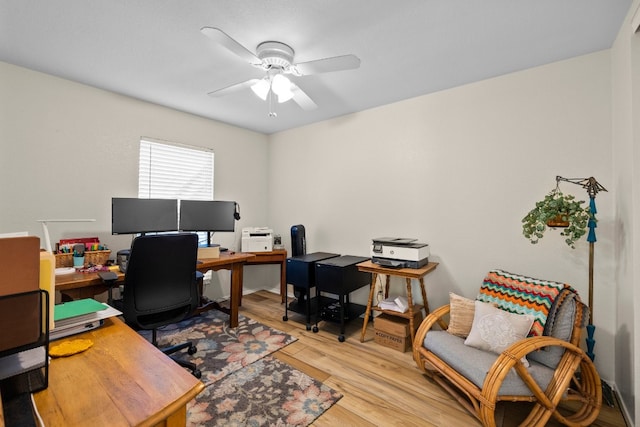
(265, 393)
(244, 387)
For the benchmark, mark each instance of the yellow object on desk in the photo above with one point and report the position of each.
(48, 281)
(69, 348)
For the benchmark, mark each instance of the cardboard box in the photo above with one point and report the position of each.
(395, 325)
(392, 341)
(209, 252)
(20, 264)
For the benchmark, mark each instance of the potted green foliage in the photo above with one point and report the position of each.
(557, 210)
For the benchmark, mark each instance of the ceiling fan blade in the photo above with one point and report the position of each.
(236, 87)
(302, 99)
(219, 36)
(336, 63)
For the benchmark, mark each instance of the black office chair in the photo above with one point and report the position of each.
(160, 286)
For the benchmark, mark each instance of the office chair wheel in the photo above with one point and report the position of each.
(197, 373)
(315, 329)
(285, 318)
(192, 350)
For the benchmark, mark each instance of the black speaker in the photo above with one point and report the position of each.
(122, 258)
(298, 240)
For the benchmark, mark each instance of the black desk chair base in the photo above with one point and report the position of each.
(191, 349)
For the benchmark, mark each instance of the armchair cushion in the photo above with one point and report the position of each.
(559, 325)
(476, 363)
(460, 315)
(494, 329)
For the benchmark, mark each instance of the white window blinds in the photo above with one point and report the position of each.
(172, 171)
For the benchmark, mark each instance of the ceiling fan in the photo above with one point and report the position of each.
(276, 59)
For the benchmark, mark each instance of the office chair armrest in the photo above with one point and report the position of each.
(109, 278)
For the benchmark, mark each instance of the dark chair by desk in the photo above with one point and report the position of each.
(160, 286)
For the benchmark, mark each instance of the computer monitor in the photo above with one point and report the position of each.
(207, 215)
(133, 216)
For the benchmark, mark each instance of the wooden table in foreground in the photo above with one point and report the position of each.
(123, 380)
(408, 274)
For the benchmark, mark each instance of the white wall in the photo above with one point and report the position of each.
(67, 148)
(626, 160)
(459, 169)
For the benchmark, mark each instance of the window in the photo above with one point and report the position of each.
(172, 171)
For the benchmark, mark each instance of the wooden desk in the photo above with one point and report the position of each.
(86, 285)
(408, 274)
(276, 256)
(123, 380)
(233, 262)
(82, 285)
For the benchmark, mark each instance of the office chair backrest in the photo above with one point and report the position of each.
(160, 282)
(298, 240)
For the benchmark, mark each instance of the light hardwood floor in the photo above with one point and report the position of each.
(381, 386)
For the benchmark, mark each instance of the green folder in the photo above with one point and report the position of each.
(76, 308)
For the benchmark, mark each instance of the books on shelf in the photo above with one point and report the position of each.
(399, 304)
(78, 316)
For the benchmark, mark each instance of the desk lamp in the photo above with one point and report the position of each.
(45, 229)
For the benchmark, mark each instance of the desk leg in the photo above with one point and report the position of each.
(410, 300)
(178, 418)
(236, 294)
(374, 277)
(283, 281)
(241, 274)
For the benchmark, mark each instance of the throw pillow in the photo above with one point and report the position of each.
(494, 329)
(460, 315)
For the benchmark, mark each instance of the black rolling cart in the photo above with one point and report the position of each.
(339, 276)
(302, 275)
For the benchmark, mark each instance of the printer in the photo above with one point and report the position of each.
(399, 252)
(257, 239)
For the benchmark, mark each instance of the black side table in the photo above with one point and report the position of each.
(339, 276)
(301, 274)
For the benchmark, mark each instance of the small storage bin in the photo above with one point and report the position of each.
(90, 257)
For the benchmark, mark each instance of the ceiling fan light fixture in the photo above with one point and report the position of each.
(284, 97)
(261, 88)
(281, 86)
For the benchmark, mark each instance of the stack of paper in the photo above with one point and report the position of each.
(399, 304)
(78, 316)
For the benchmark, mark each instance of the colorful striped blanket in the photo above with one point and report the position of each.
(522, 295)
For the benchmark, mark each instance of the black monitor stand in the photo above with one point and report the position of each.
(209, 236)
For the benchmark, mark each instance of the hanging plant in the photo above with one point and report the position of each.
(557, 210)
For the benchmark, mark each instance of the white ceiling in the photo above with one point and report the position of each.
(153, 49)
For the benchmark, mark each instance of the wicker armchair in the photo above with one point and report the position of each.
(555, 372)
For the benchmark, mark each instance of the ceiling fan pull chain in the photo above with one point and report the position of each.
(271, 112)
